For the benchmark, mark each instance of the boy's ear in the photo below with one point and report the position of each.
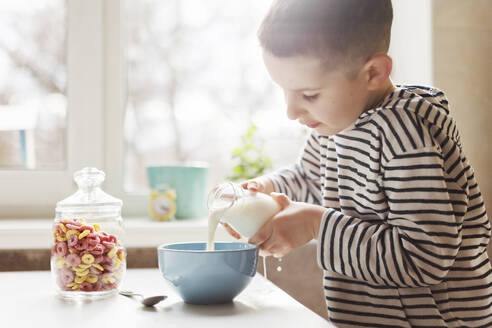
(377, 70)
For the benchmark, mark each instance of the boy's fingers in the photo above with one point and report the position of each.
(231, 231)
(262, 235)
(253, 186)
(282, 200)
(273, 247)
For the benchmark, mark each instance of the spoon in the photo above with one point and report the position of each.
(147, 301)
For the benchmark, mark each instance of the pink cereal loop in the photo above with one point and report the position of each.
(85, 286)
(61, 248)
(66, 276)
(98, 259)
(72, 240)
(73, 260)
(94, 271)
(72, 226)
(97, 250)
(97, 286)
(81, 245)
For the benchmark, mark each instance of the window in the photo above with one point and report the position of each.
(195, 81)
(69, 126)
(33, 84)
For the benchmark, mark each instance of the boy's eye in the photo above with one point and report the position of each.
(310, 97)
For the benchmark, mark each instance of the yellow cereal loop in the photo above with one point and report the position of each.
(98, 266)
(97, 227)
(71, 232)
(91, 278)
(121, 256)
(61, 238)
(82, 273)
(71, 284)
(88, 258)
(75, 287)
(80, 280)
(77, 269)
(72, 251)
(84, 233)
(62, 227)
(117, 263)
(61, 263)
(108, 280)
(84, 266)
(112, 252)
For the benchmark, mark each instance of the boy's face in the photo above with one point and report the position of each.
(327, 101)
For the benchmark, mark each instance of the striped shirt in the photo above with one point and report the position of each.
(403, 242)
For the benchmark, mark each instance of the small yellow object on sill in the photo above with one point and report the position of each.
(162, 206)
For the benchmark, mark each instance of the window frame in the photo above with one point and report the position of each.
(134, 203)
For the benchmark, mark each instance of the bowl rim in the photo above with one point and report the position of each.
(163, 247)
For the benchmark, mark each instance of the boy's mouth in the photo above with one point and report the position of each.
(313, 125)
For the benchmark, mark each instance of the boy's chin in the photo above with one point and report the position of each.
(326, 131)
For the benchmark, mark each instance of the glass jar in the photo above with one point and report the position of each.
(88, 259)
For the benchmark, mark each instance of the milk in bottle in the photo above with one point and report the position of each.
(245, 211)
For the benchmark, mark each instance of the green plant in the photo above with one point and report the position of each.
(250, 157)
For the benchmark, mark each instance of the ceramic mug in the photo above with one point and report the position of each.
(190, 183)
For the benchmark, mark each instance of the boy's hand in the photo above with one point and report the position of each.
(296, 224)
(230, 230)
(260, 184)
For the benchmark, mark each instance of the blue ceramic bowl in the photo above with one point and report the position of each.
(208, 277)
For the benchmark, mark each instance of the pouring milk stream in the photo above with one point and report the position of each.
(243, 210)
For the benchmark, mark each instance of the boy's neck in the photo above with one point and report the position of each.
(377, 96)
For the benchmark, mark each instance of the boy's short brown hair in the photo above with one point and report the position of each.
(342, 33)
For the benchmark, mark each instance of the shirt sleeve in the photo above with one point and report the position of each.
(301, 181)
(417, 242)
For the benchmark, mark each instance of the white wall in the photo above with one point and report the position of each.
(411, 42)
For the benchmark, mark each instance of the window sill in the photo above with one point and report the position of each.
(140, 232)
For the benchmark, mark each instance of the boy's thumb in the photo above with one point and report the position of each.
(282, 200)
(253, 186)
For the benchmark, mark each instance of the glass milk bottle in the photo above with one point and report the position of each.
(88, 259)
(243, 210)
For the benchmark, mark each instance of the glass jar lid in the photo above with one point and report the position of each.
(89, 195)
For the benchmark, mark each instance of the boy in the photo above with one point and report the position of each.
(383, 183)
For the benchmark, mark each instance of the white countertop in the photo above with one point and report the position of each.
(28, 299)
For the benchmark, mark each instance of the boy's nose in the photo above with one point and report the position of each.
(294, 110)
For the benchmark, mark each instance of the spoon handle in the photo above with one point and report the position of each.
(129, 293)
